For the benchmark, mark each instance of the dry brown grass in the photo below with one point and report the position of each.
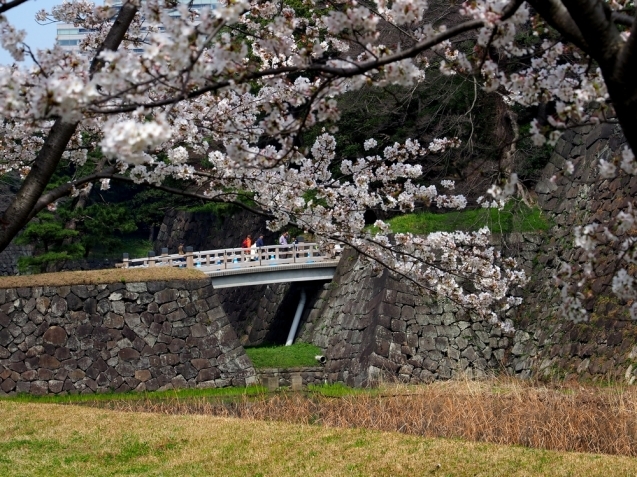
(582, 419)
(96, 277)
(53, 440)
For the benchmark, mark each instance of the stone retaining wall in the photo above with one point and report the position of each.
(309, 375)
(9, 258)
(605, 347)
(252, 310)
(381, 328)
(120, 337)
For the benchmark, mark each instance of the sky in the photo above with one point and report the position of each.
(23, 18)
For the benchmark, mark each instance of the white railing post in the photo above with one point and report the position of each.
(189, 261)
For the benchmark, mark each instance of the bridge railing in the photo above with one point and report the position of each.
(233, 258)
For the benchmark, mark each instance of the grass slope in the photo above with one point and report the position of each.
(518, 219)
(51, 440)
(298, 354)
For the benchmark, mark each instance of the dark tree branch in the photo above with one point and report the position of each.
(626, 66)
(115, 35)
(556, 15)
(9, 5)
(593, 18)
(111, 173)
(622, 18)
(17, 214)
(65, 189)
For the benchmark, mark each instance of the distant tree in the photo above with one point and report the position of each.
(50, 238)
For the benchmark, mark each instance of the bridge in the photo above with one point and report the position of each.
(236, 267)
(240, 267)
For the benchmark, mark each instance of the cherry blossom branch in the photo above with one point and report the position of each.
(356, 69)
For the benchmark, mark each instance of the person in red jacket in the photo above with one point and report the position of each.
(247, 243)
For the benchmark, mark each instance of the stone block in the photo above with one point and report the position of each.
(132, 320)
(200, 363)
(470, 354)
(198, 331)
(442, 343)
(55, 335)
(398, 325)
(408, 313)
(177, 315)
(296, 382)
(165, 296)
(8, 385)
(390, 310)
(208, 374)
(169, 307)
(179, 382)
(76, 375)
(137, 287)
(58, 306)
(272, 383)
(113, 320)
(427, 343)
(47, 361)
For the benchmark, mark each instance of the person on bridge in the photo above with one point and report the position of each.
(247, 243)
(283, 240)
(259, 244)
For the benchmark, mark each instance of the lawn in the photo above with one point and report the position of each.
(298, 354)
(212, 394)
(518, 218)
(52, 440)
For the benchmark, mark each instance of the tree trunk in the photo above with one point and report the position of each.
(17, 214)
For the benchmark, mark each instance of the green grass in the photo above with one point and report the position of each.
(511, 219)
(55, 441)
(184, 395)
(299, 354)
(181, 394)
(340, 390)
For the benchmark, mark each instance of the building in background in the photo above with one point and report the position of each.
(69, 37)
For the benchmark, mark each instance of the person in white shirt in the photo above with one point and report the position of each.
(283, 240)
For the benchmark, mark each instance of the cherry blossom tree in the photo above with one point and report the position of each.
(239, 83)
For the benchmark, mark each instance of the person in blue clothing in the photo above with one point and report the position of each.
(256, 248)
